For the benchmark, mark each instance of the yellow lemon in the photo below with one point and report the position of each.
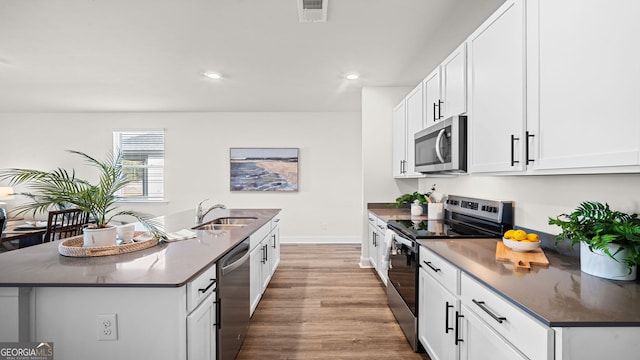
(519, 235)
(508, 234)
(533, 237)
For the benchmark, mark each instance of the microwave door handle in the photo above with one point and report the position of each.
(438, 140)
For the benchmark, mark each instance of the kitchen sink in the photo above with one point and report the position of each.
(225, 223)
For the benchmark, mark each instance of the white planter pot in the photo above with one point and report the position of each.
(599, 264)
(416, 208)
(99, 237)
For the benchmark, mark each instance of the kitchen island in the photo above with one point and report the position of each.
(48, 297)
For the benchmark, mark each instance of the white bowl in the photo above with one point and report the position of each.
(521, 246)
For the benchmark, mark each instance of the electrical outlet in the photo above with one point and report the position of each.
(106, 327)
(324, 226)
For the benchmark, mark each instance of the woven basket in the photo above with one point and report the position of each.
(73, 247)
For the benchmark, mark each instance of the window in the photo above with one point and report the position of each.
(142, 156)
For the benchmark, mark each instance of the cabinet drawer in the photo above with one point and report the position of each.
(259, 235)
(525, 333)
(372, 219)
(201, 287)
(445, 273)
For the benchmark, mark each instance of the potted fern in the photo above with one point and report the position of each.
(61, 188)
(609, 240)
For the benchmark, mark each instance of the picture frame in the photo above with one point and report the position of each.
(264, 169)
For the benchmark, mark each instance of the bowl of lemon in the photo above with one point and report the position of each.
(519, 240)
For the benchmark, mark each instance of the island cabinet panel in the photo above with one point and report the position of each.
(201, 330)
(151, 322)
(264, 260)
(9, 310)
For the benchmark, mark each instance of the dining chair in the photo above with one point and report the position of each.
(63, 224)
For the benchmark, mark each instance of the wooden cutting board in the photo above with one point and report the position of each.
(521, 260)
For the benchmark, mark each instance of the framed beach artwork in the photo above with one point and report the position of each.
(264, 169)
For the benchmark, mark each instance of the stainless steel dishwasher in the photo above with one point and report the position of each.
(233, 300)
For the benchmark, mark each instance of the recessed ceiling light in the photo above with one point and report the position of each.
(212, 75)
(352, 76)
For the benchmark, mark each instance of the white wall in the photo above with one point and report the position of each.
(327, 204)
(536, 198)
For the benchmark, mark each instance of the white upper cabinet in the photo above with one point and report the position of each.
(583, 98)
(432, 102)
(454, 82)
(407, 120)
(554, 88)
(497, 91)
(445, 88)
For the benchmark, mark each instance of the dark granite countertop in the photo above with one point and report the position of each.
(166, 265)
(560, 295)
(388, 212)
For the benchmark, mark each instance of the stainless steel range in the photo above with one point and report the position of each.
(464, 218)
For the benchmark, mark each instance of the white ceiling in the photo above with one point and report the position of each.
(150, 55)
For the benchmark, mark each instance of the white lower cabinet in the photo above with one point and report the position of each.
(480, 342)
(459, 318)
(377, 249)
(438, 305)
(264, 259)
(201, 330)
(509, 325)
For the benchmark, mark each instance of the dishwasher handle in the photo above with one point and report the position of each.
(243, 248)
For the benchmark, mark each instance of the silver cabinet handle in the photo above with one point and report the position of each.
(497, 318)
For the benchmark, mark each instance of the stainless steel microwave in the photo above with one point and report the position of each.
(442, 147)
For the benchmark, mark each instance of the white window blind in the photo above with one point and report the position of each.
(142, 156)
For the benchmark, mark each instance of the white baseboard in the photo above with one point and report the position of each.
(320, 240)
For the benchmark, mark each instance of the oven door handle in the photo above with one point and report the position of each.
(438, 141)
(399, 239)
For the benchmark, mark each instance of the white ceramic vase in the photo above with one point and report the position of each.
(416, 208)
(599, 264)
(99, 237)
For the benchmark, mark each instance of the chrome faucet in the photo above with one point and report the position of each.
(200, 214)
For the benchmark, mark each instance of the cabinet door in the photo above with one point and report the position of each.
(265, 271)
(480, 342)
(496, 91)
(255, 281)
(274, 249)
(454, 82)
(373, 245)
(436, 318)
(201, 331)
(584, 83)
(399, 136)
(414, 123)
(382, 254)
(432, 102)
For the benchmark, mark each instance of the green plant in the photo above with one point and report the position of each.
(410, 198)
(61, 188)
(597, 225)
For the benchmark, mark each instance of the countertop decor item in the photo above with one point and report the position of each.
(73, 247)
(612, 236)
(61, 188)
(6, 193)
(522, 260)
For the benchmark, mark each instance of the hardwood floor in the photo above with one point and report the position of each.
(321, 305)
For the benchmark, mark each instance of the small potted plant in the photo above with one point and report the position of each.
(609, 240)
(416, 200)
(61, 188)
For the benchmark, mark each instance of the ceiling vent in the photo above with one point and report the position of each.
(312, 10)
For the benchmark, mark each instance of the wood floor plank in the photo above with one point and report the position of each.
(321, 305)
